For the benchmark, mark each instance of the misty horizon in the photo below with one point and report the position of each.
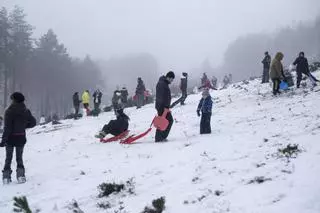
(180, 34)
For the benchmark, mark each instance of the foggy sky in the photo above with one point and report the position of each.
(179, 33)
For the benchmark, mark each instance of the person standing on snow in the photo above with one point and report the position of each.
(205, 107)
(17, 119)
(276, 72)
(140, 93)
(163, 100)
(183, 88)
(97, 96)
(124, 96)
(76, 104)
(204, 79)
(116, 100)
(86, 100)
(303, 67)
(214, 82)
(266, 67)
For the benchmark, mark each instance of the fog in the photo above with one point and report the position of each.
(181, 34)
(108, 44)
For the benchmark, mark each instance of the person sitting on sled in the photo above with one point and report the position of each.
(115, 127)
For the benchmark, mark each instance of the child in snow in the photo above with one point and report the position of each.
(115, 127)
(17, 119)
(205, 110)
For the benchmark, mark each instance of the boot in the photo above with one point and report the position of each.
(6, 176)
(21, 178)
(101, 135)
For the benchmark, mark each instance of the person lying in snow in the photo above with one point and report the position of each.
(205, 107)
(115, 127)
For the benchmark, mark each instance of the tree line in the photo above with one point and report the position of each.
(41, 68)
(243, 56)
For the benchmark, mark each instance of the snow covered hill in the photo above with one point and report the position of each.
(238, 168)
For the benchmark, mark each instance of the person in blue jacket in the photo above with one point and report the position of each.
(205, 111)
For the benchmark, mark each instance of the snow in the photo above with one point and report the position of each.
(249, 126)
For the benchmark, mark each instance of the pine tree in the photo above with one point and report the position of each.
(20, 45)
(21, 205)
(4, 50)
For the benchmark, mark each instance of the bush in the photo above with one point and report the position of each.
(290, 151)
(106, 189)
(158, 206)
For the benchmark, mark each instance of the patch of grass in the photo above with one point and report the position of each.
(74, 207)
(106, 189)
(259, 180)
(290, 151)
(158, 206)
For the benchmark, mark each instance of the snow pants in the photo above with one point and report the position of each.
(162, 135)
(276, 85)
(9, 155)
(265, 75)
(205, 123)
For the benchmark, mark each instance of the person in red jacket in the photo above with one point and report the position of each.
(17, 119)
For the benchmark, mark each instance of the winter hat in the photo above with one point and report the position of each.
(205, 93)
(184, 74)
(170, 75)
(17, 97)
(301, 54)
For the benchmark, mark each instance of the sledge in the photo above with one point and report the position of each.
(115, 138)
(284, 85)
(159, 122)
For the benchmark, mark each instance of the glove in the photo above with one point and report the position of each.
(3, 144)
(198, 113)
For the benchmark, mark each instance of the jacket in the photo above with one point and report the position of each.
(97, 95)
(276, 69)
(140, 88)
(205, 105)
(266, 62)
(163, 94)
(184, 83)
(302, 65)
(76, 100)
(85, 97)
(17, 119)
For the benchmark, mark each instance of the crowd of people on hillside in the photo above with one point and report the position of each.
(274, 70)
(18, 118)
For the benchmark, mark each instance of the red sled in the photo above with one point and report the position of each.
(160, 122)
(133, 138)
(115, 138)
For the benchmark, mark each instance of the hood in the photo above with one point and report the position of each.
(279, 56)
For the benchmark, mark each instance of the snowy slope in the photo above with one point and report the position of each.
(249, 126)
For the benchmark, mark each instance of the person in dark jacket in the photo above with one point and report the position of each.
(17, 119)
(76, 104)
(163, 101)
(214, 82)
(124, 96)
(115, 127)
(183, 88)
(140, 93)
(204, 79)
(205, 111)
(97, 96)
(266, 67)
(116, 100)
(303, 67)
